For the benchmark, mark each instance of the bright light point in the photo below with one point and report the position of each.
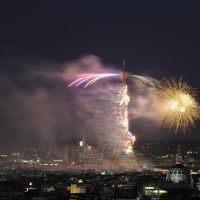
(186, 99)
(81, 143)
(133, 138)
(129, 150)
(103, 173)
(173, 104)
(80, 181)
(182, 110)
(127, 99)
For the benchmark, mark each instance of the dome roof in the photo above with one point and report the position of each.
(178, 173)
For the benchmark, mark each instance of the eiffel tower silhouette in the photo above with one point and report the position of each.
(123, 158)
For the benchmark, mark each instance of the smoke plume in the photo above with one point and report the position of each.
(37, 107)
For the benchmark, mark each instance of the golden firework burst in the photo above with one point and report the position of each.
(179, 108)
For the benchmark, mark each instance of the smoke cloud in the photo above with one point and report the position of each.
(37, 107)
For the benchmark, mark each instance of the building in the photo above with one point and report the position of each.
(179, 173)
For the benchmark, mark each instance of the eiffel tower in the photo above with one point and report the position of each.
(124, 159)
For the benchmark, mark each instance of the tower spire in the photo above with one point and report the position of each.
(123, 73)
(123, 65)
(179, 158)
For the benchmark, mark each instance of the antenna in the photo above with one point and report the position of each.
(123, 73)
(123, 65)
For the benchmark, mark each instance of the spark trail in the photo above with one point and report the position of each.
(88, 79)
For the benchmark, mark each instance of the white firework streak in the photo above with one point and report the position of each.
(125, 99)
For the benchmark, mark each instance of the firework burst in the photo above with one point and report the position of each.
(179, 107)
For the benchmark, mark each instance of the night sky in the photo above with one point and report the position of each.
(158, 39)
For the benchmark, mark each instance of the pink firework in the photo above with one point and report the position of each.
(88, 79)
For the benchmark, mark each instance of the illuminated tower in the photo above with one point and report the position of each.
(179, 158)
(83, 149)
(123, 158)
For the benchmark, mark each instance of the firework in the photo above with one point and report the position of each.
(179, 108)
(129, 138)
(88, 79)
